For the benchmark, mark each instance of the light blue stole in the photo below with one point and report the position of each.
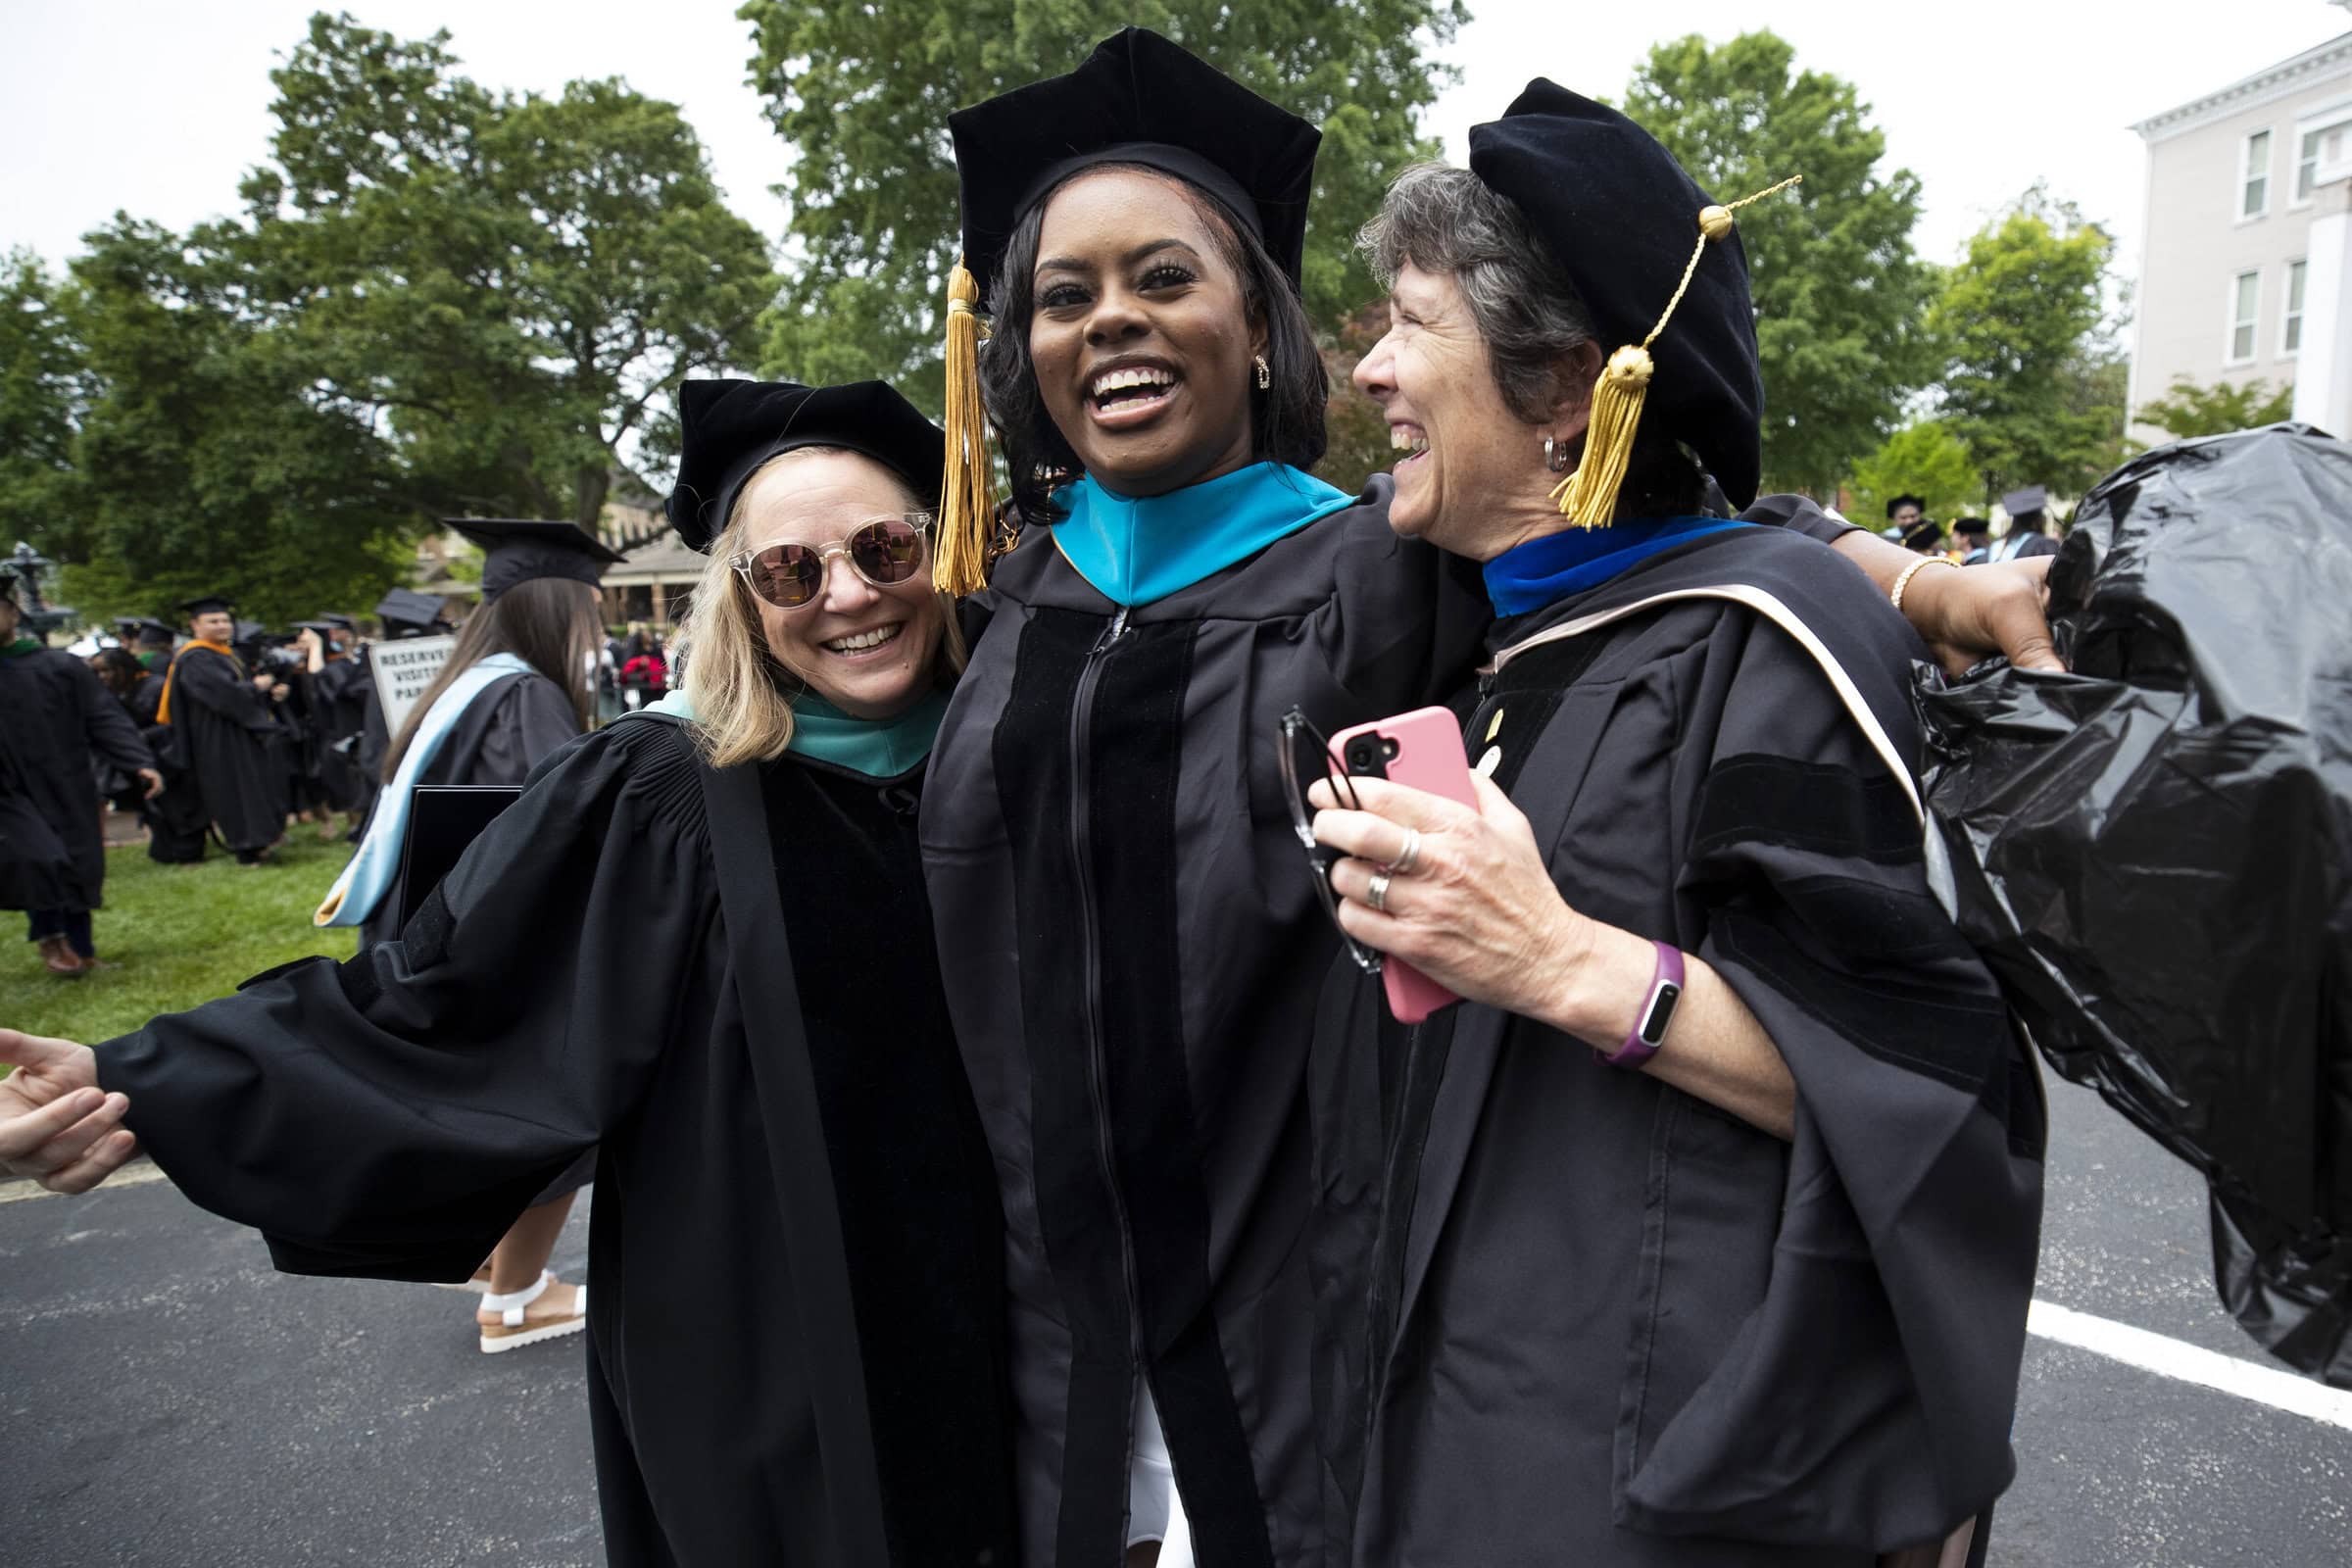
(372, 870)
(1137, 549)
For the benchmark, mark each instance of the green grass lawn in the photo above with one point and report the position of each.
(180, 935)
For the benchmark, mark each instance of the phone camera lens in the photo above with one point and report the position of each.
(1362, 756)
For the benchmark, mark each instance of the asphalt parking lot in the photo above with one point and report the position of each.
(167, 1399)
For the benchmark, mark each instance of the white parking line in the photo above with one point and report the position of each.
(129, 1176)
(2189, 1363)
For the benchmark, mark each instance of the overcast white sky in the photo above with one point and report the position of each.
(157, 107)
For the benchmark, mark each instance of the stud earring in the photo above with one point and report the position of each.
(1556, 455)
(1265, 373)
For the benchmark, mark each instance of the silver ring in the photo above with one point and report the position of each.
(1408, 856)
(1377, 895)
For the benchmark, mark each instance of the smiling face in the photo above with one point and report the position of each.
(1140, 335)
(872, 651)
(1474, 482)
(212, 626)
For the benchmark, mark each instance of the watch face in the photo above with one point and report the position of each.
(1662, 1012)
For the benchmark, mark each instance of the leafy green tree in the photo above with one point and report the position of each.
(514, 285)
(2030, 383)
(1838, 290)
(861, 94)
(2188, 410)
(43, 389)
(1926, 459)
(208, 460)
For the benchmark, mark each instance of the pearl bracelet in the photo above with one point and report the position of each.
(1902, 582)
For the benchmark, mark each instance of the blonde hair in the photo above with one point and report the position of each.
(738, 688)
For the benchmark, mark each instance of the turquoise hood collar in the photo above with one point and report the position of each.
(878, 748)
(1137, 549)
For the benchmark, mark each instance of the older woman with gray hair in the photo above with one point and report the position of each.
(1704, 1232)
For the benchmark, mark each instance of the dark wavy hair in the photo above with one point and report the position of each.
(1286, 419)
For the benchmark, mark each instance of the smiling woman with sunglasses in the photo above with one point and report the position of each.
(700, 943)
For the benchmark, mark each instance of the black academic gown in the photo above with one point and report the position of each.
(229, 742)
(338, 712)
(1570, 1314)
(1133, 952)
(720, 978)
(61, 721)
(512, 725)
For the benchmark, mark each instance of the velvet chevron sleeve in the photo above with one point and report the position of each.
(390, 1116)
(1907, 1245)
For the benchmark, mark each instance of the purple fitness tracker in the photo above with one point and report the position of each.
(1657, 1010)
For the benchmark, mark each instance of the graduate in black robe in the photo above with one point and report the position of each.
(722, 977)
(1136, 953)
(338, 709)
(1703, 1234)
(225, 730)
(59, 722)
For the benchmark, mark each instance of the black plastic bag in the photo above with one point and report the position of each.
(2155, 850)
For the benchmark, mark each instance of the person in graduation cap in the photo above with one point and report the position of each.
(154, 642)
(513, 691)
(338, 710)
(223, 721)
(699, 939)
(1704, 1232)
(1971, 540)
(403, 614)
(2029, 534)
(1129, 949)
(57, 721)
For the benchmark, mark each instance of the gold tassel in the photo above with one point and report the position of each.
(968, 505)
(1589, 496)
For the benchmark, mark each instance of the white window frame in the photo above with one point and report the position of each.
(2231, 323)
(2296, 196)
(2319, 121)
(2290, 315)
(2248, 173)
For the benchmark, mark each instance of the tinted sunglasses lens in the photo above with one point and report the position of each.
(786, 576)
(886, 552)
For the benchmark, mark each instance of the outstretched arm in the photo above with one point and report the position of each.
(56, 1125)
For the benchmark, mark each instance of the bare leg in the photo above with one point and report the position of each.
(523, 1252)
(518, 1267)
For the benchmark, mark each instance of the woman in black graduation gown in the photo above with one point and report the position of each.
(1132, 952)
(702, 944)
(1704, 1234)
(513, 690)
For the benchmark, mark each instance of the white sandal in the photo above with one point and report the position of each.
(511, 1332)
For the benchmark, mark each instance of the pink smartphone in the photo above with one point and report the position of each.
(1422, 749)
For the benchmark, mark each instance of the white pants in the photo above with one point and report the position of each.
(1154, 1510)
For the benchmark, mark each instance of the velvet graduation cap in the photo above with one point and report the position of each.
(1137, 99)
(518, 550)
(1625, 222)
(732, 428)
(207, 604)
(1900, 502)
